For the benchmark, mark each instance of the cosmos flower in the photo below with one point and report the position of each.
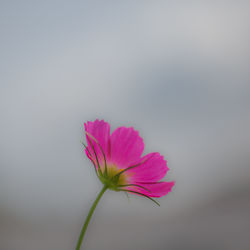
(119, 164)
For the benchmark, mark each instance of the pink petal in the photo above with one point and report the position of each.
(126, 147)
(99, 134)
(153, 168)
(157, 189)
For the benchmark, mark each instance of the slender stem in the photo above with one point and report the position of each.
(91, 211)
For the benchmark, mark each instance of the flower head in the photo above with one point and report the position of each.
(119, 163)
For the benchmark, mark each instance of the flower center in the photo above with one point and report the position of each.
(112, 179)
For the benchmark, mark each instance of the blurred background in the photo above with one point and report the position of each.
(177, 71)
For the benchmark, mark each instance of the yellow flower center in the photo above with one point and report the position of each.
(112, 179)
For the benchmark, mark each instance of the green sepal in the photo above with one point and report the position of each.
(130, 191)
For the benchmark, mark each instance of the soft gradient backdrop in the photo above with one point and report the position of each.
(177, 71)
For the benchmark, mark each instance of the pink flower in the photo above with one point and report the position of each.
(119, 163)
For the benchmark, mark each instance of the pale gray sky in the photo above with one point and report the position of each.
(177, 72)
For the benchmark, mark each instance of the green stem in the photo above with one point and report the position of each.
(91, 211)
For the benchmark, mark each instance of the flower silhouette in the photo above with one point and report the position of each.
(119, 164)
